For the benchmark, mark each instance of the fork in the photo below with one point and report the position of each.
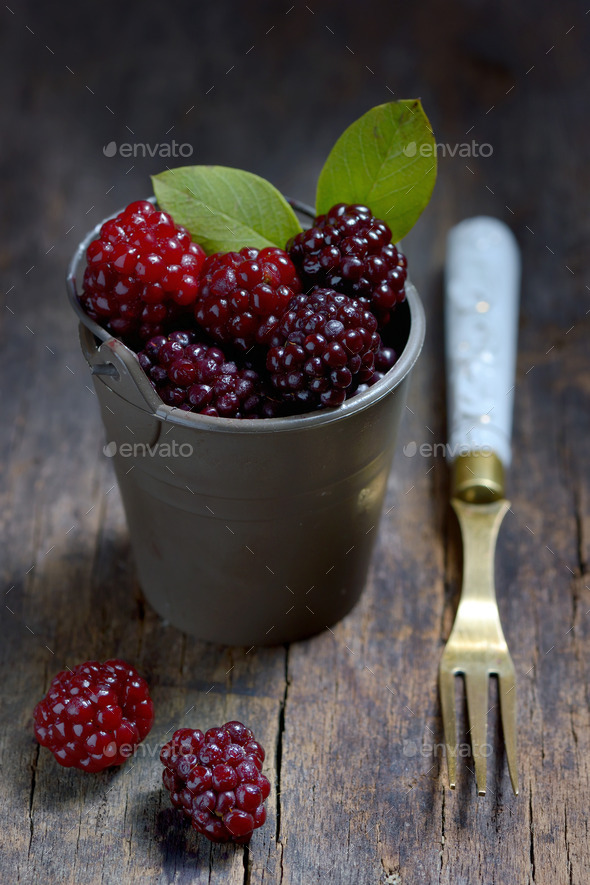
(481, 311)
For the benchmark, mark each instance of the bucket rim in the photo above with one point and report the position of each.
(309, 420)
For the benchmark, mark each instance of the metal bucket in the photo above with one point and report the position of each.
(248, 532)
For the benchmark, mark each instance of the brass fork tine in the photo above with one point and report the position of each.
(446, 681)
(507, 692)
(476, 689)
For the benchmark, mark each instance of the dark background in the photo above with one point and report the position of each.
(269, 87)
(507, 74)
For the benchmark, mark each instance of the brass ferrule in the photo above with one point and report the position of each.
(478, 477)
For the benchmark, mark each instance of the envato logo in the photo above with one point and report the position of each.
(427, 749)
(144, 749)
(460, 149)
(144, 450)
(443, 450)
(142, 149)
(147, 750)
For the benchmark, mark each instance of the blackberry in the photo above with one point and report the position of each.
(385, 359)
(94, 716)
(350, 250)
(323, 344)
(142, 273)
(197, 377)
(215, 779)
(242, 294)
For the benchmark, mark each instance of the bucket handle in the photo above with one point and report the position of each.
(119, 369)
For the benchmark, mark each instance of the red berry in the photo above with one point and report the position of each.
(239, 823)
(140, 258)
(224, 777)
(94, 716)
(242, 294)
(247, 771)
(223, 801)
(259, 816)
(253, 748)
(249, 797)
(199, 779)
(350, 250)
(234, 754)
(238, 732)
(264, 784)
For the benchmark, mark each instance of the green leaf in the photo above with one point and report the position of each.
(385, 160)
(226, 209)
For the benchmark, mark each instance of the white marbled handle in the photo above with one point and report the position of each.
(482, 282)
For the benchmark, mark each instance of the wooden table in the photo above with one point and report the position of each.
(351, 718)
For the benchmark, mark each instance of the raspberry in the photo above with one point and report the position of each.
(95, 716)
(242, 294)
(323, 343)
(215, 779)
(197, 378)
(142, 272)
(350, 250)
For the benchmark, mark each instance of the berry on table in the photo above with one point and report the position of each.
(94, 716)
(350, 250)
(242, 294)
(323, 344)
(215, 779)
(196, 377)
(142, 272)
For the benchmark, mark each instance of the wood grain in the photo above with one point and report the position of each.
(350, 719)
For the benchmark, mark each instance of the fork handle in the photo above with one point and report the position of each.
(481, 317)
(480, 525)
